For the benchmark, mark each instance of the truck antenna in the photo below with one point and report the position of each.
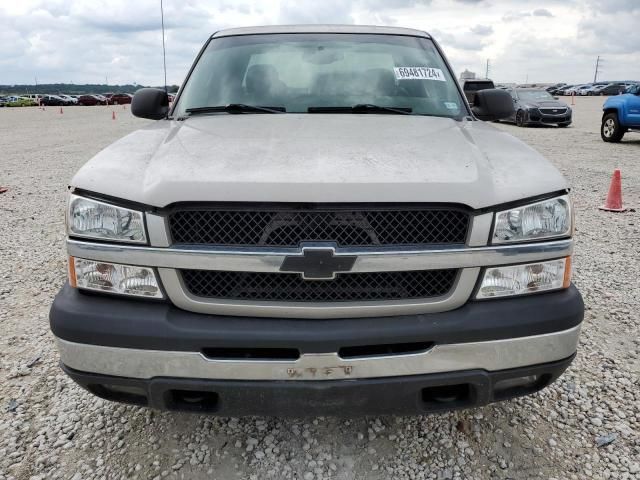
(164, 52)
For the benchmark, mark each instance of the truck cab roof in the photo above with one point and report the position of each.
(362, 29)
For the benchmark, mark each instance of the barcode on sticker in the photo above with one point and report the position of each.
(419, 73)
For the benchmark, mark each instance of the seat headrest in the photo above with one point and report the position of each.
(261, 78)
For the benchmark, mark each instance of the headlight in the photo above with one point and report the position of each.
(521, 279)
(113, 278)
(102, 221)
(545, 219)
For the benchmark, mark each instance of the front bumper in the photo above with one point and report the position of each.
(408, 395)
(535, 117)
(158, 352)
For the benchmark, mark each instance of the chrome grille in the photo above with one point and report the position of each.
(291, 226)
(291, 287)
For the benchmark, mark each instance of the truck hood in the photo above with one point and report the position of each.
(319, 158)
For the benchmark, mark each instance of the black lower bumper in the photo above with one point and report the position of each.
(408, 395)
(536, 118)
(126, 323)
(115, 322)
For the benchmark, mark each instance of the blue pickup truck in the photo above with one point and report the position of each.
(621, 114)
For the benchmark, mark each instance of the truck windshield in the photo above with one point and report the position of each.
(322, 73)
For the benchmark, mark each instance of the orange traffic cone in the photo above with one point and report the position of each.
(614, 197)
(113, 115)
(61, 111)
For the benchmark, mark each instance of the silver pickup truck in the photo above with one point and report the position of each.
(319, 224)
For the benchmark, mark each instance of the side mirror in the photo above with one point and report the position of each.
(493, 104)
(150, 103)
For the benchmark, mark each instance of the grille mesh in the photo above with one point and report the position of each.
(291, 287)
(550, 111)
(288, 228)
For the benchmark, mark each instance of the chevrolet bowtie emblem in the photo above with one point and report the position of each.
(318, 263)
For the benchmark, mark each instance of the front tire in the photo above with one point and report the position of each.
(611, 130)
(520, 118)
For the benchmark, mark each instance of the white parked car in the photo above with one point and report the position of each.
(36, 97)
(574, 90)
(70, 99)
(584, 90)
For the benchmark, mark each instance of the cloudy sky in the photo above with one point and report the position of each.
(86, 41)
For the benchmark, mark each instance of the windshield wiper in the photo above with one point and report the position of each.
(362, 108)
(235, 108)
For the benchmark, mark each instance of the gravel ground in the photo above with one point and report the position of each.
(587, 425)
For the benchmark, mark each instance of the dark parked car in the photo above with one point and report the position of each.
(534, 106)
(90, 100)
(87, 100)
(616, 88)
(53, 101)
(120, 99)
(554, 88)
(470, 87)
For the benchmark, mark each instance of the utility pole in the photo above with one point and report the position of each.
(595, 75)
(486, 72)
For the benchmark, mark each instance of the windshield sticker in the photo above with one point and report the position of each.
(451, 105)
(419, 73)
